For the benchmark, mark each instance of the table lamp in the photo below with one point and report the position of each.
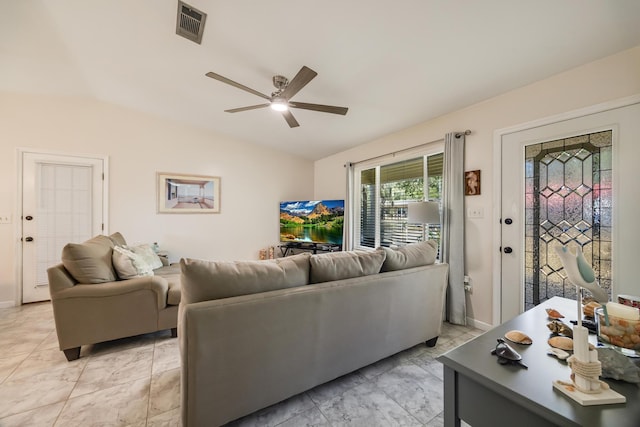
(424, 213)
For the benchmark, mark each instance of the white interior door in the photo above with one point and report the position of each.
(624, 124)
(62, 202)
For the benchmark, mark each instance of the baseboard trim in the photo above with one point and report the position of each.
(7, 304)
(478, 324)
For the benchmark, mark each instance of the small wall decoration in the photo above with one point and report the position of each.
(472, 183)
(179, 193)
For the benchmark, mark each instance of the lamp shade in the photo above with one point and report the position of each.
(423, 213)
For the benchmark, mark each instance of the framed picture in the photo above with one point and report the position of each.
(472, 183)
(188, 193)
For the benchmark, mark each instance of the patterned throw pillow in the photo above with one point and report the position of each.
(129, 264)
(147, 253)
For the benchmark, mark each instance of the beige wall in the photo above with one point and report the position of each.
(254, 179)
(607, 79)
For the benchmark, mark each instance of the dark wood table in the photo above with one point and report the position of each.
(482, 392)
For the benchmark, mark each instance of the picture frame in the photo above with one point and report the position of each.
(472, 183)
(182, 193)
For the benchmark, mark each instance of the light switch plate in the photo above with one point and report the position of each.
(475, 212)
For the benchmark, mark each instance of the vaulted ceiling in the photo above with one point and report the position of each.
(394, 64)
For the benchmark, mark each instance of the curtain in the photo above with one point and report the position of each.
(452, 243)
(349, 210)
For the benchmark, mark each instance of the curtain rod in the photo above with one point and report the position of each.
(393, 154)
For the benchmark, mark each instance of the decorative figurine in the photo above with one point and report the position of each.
(580, 273)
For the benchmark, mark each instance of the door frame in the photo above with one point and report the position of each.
(498, 136)
(20, 152)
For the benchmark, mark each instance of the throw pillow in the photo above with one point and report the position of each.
(411, 255)
(345, 265)
(209, 280)
(147, 253)
(128, 264)
(90, 262)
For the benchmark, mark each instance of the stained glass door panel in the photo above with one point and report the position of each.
(568, 201)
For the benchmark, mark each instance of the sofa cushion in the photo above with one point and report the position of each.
(90, 262)
(175, 291)
(171, 273)
(345, 265)
(118, 239)
(208, 280)
(411, 255)
(129, 264)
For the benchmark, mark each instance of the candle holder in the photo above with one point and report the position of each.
(584, 386)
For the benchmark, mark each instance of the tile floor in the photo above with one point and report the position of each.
(136, 382)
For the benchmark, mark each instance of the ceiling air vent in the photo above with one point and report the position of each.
(190, 22)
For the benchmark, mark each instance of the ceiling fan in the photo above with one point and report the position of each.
(280, 100)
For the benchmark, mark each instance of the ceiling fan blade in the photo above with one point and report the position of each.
(238, 85)
(293, 123)
(251, 107)
(319, 107)
(304, 76)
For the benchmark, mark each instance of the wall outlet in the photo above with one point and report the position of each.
(467, 284)
(5, 219)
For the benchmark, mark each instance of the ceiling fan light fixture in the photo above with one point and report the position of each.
(279, 104)
(279, 100)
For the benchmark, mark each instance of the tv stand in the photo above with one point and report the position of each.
(289, 248)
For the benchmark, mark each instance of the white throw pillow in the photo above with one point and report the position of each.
(147, 253)
(128, 264)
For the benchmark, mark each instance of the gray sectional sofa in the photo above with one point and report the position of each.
(255, 333)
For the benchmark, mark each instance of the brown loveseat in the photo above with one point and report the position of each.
(91, 304)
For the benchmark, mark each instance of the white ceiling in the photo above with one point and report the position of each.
(393, 63)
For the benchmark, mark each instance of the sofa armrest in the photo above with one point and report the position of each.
(156, 284)
(59, 280)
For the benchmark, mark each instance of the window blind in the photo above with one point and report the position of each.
(400, 183)
(385, 193)
(368, 208)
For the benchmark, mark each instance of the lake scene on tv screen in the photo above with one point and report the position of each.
(312, 221)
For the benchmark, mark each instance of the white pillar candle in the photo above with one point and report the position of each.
(623, 311)
(581, 343)
(581, 353)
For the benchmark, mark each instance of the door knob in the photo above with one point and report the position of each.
(508, 250)
(28, 239)
(28, 217)
(508, 221)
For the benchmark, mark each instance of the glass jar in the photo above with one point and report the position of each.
(618, 331)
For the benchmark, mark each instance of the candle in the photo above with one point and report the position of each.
(622, 311)
(581, 343)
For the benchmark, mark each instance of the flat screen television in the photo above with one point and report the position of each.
(312, 221)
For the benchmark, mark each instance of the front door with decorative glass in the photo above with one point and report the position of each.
(568, 182)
